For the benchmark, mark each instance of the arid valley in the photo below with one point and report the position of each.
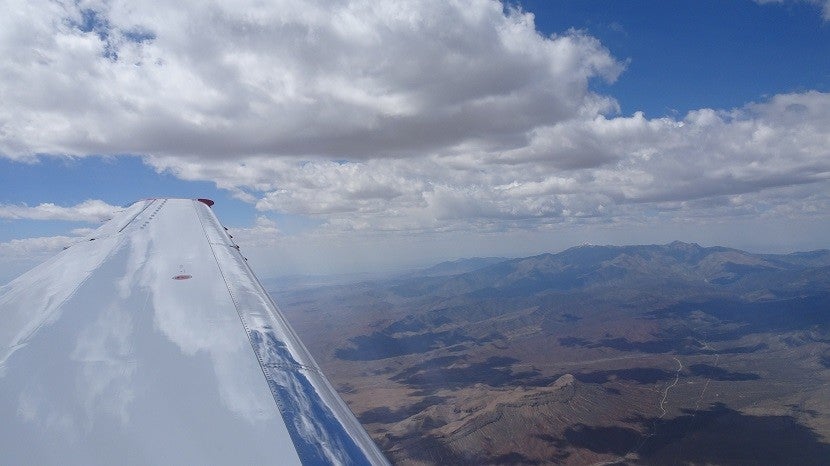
(670, 354)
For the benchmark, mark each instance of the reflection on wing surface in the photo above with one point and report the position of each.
(106, 358)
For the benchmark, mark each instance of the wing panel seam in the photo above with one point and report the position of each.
(136, 215)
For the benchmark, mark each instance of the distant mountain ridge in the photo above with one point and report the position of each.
(458, 266)
(675, 265)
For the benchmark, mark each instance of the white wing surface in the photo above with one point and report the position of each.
(152, 341)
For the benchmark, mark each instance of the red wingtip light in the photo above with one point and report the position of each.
(207, 202)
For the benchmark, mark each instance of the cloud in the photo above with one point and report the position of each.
(381, 116)
(91, 211)
(823, 4)
(263, 234)
(602, 168)
(358, 79)
(34, 249)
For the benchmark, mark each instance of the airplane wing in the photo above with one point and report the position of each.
(152, 341)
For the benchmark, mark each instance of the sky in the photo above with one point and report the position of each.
(370, 136)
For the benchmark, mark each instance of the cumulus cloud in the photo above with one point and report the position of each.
(88, 211)
(389, 116)
(598, 168)
(354, 79)
(263, 234)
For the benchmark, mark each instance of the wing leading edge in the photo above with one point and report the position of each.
(152, 341)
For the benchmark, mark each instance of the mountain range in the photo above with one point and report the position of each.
(639, 354)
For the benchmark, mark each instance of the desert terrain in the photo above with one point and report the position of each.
(664, 354)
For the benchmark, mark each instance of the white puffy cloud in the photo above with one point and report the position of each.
(263, 234)
(355, 79)
(87, 211)
(383, 116)
(606, 168)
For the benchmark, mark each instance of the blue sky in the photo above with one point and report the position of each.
(368, 136)
(687, 55)
(119, 181)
